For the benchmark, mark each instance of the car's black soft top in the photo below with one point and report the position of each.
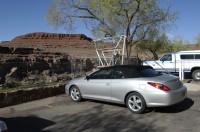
(139, 67)
(133, 71)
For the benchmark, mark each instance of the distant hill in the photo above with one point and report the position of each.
(72, 44)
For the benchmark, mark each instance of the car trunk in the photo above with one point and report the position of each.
(170, 81)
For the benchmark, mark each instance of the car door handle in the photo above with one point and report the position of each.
(107, 84)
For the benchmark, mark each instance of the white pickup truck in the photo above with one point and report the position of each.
(171, 62)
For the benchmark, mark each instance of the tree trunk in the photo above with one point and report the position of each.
(155, 56)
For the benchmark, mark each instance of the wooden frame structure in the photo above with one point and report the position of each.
(107, 55)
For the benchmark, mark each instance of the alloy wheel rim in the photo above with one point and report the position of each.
(135, 103)
(75, 94)
(198, 75)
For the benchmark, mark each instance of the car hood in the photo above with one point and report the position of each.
(149, 62)
(76, 79)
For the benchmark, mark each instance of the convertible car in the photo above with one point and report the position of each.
(138, 87)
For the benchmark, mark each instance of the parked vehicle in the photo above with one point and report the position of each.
(137, 87)
(171, 62)
(3, 127)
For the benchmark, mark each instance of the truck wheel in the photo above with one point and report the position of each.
(196, 75)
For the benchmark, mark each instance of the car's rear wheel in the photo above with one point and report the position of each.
(136, 103)
(75, 94)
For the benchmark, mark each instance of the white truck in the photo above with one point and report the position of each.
(172, 62)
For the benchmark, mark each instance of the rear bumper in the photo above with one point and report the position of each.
(167, 98)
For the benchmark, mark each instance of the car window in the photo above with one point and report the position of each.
(117, 74)
(197, 56)
(186, 57)
(149, 73)
(167, 57)
(102, 74)
(126, 73)
(132, 72)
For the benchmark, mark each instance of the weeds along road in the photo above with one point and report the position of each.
(61, 114)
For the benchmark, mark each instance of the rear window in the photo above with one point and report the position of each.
(187, 57)
(150, 73)
(190, 56)
(131, 72)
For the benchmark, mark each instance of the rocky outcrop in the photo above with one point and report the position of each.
(19, 50)
(6, 50)
(44, 57)
(72, 44)
(52, 40)
(41, 68)
(77, 45)
(51, 36)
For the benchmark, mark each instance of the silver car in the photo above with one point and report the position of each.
(138, 87)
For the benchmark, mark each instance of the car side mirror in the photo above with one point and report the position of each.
(162, 60)
(88, 78)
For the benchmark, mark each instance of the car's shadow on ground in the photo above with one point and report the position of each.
(180, 107)
(106, 103)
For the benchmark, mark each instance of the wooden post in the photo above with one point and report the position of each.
(123, 50)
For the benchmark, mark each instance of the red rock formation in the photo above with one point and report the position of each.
(42, 36)
(51, 40)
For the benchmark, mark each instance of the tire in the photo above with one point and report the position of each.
(196, 75)
(136, 103)
(75, 94)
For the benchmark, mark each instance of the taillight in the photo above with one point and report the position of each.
(159, 86)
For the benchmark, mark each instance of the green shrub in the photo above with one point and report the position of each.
(11, 85)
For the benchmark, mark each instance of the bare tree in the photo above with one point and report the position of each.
(133, 18)
(176, 44)
(154, 43)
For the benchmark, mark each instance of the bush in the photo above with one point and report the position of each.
(11, 85)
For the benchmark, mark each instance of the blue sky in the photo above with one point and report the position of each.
(18, 17)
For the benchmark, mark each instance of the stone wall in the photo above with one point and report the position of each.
(26, 95)
(42, 68)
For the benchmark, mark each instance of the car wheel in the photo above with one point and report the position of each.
(136, 103)
(196, 75)
(75, 94)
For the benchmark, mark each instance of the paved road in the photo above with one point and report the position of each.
(60, 114)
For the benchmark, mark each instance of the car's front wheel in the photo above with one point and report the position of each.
(136, 103)
(75, 94)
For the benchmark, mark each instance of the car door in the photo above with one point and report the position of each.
(98, 85)
(122, 82)
(167, 62)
